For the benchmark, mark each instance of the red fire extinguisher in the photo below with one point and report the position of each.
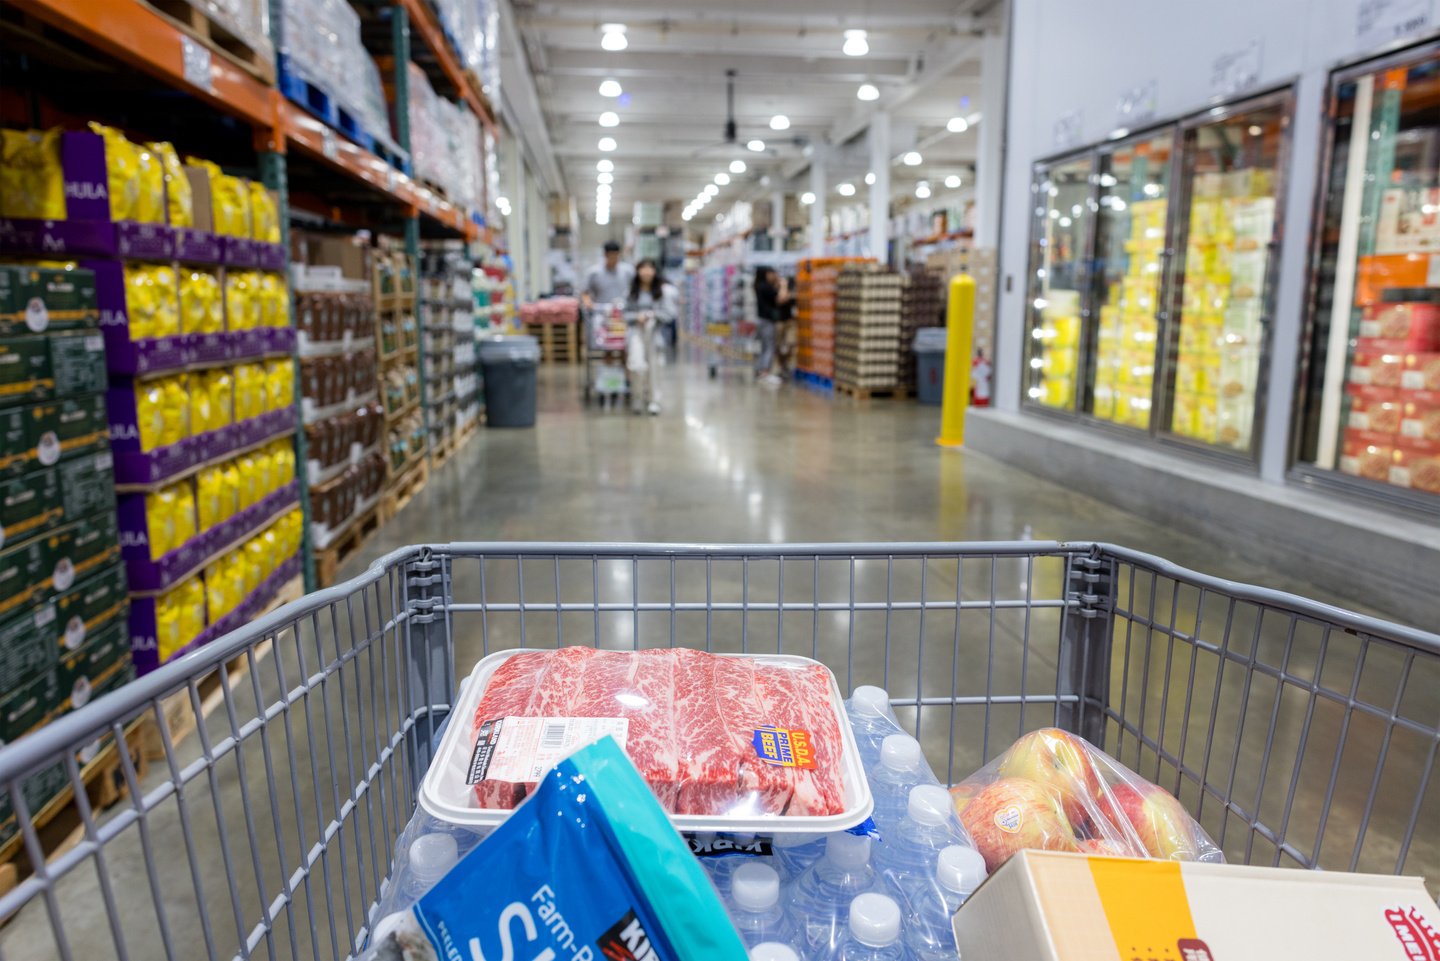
(980, 371)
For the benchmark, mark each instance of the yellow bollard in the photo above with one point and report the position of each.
(960, 333)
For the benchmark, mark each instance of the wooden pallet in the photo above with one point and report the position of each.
(260, 64)
(334, 556)
(403, 490)
(865, 393)
(559, 343)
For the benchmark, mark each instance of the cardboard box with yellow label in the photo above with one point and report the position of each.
(1046, 906)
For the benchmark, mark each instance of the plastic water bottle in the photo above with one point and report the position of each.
(754, 906)
(431, 858)
(874, 930)
(722, 867)
(907, 855)
(870, 719)
(796, 851)
(928, 931)
(820, 898)
(901, 767)
(772, 951)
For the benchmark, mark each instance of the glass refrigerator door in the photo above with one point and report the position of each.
(1057, 279)
(1129, 264)
(1371, 407)
(1226, 240)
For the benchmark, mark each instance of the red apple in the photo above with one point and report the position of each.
(1013, 814)
(1105, 848)
(1061, 760)
(1160, 822)
(962, 794)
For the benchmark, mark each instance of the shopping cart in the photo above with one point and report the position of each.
(730, 344)
(1298, 733)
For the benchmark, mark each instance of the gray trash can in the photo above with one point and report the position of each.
(929, 350)
(509, 364)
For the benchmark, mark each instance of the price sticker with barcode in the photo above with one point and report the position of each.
(521, 749)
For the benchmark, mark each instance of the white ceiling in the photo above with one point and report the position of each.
(924, 58)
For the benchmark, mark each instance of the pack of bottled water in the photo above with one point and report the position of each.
(883, 891)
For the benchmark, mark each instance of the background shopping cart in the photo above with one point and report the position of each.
(1299, 734)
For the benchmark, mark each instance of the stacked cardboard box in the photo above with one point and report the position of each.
(867, 328)
(980, 264)
(922, 304)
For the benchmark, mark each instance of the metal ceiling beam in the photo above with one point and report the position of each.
(519, 94)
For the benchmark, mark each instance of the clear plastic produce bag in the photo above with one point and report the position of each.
(1054, 791)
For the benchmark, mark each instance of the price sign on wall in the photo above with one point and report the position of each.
(1136, 106)
(1378, 22)
(1068, 129)
(1236, 71)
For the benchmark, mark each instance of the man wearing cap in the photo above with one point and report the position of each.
(610, 281)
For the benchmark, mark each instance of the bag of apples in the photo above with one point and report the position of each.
(1054, 791)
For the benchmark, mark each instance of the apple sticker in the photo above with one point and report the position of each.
(48, 450)
(1008, 819)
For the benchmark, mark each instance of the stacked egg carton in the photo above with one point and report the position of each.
(921, 305)
(867, 329)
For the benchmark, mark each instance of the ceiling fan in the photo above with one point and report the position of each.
(732, 130)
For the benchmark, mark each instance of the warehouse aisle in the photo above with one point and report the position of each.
(727, 462)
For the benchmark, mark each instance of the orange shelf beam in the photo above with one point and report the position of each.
(425, 24)
(135, 34)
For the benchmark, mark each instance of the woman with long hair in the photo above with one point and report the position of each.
(648, 300)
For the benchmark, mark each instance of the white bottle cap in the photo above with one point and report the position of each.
(870, 701)
(900, 752)
(874, 920)
(795, 839)
(431, 856)
(755, 886)
(773, 951)
(848, 851)
(960, 869)
(929, 804)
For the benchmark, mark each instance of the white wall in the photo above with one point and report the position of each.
(1077, 60)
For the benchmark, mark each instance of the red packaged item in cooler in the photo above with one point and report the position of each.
(1414, 323)
(1367, 454)
(1374, 408)
(1420, 415)
(1376, 368)
(710, 733)
(1416, 464)
(1420, 371)
(1055, 791)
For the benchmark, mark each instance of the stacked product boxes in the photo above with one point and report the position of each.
(867, 328)
(1125, 343)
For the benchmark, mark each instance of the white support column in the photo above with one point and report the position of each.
(817, 209)
(879, 137)
(777, 219)
(994, 54)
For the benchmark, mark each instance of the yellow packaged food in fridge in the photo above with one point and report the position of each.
(248, 491)
(150, 177)
(175, 407)
(179, 199)
(1058, 391)
(209, 498)
(122, 169)
(160, 522)
(32, 181)
(201, 311)
(150, 414)
(264, 217)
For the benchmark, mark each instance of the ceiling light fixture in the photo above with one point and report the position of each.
(609, 119)
(612, 36)
(605, 166)
(610, 88)
(756, 145)
(737, 166)
(601, 219)
(607, 144)
(870, 179)
(951, 182)
(957, 125)
(779, 122)
(868, 91)
(855, 44)
(922, 189)
(722, 179)
(846, 190)
(913, 159)
(807, 198)
(605, 178)
(711, 190)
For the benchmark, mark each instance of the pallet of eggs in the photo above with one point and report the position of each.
(867, 328)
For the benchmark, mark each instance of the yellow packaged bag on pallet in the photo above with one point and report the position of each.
(32, 181)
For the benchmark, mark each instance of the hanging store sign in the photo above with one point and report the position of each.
(1378, 22)
(1235, 72)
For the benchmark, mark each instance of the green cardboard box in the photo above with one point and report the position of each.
(36, 502)
(88, 484)
(41, 435)
(88, 672)
(90, 606)
(38, 790)
(36, 638)
(28, 705)
(45, 366)
(27, 645)
(22, 568)
(34, 300)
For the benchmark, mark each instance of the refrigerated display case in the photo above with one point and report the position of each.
(1221, 291)
(1059, 247)
(1370, 392)
(1130, 260)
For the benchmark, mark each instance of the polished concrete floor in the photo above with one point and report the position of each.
(1295, 742)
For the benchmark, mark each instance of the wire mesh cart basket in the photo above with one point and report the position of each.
(257, 813)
